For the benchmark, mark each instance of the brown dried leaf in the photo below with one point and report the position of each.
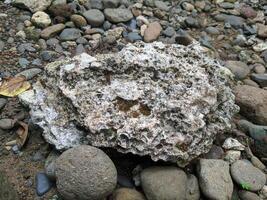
(14, 86)
(22, 133)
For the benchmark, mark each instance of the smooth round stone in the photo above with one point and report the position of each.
(261, 79)
(238, 68)
(169, 31)
(164, 183)
(52, 31)
(212, 30)
(250, 83)
(78, 20)
(43, 184)
(94, 17)
(85, 172)
(214, 179)
(111, 3)
(133, 37)
(192, 191)
(245, 174)
(118, 15)
(70, 34)
(127, 194)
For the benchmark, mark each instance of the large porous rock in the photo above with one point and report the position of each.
(252, 102)
(85, 172)
(32, 5)
(164, 183)
(214, 179)
(166, 101)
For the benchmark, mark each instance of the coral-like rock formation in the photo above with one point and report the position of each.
(166, 101)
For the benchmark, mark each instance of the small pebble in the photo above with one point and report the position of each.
(43, 184)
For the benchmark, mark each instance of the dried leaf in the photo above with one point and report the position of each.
(22, 133)
(14, 86)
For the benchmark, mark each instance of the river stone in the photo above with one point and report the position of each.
(252, 102)
(261, 79)
(246, 195)
(32, 5)
(52, 31)
(111, 3)
(78, 20)
(192, 189)
(70, 34)
(127, 194)
(138, 106)
(2, 103)
(85, 172)
(94, 17)
(238, 68)
(245, 174)
(117, 15)
(164, 183)
(152, 32)
(214, 179)
(41, 19)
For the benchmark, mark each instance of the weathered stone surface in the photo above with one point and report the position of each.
(85, 172)
(152, 32)
(168, 102)
(32, 5)
(41, 19)
(215, 180)
(252, 102)
(245, 174)
(127, 194)
(164, 183)
(94, 17)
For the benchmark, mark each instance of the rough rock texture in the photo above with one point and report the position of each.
(215, 180)
(32, 5)
(168, 102)
(85, 172)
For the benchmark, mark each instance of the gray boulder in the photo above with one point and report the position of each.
(32, 5)
(247, 176)
(94, 17)
(85, 172)
(117, 15)
(70, 34)
(238, 68)
(214, 179)
(161, 183)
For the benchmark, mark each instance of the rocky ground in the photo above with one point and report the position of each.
(34, 33)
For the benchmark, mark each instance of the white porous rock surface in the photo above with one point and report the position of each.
(165, 101)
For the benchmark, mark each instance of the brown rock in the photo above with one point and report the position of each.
(152, 32)
(52, 31)
(78, 20)
(63, 10)
(127, 194)
(262, 30)
(248, 12)
(253, 103)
